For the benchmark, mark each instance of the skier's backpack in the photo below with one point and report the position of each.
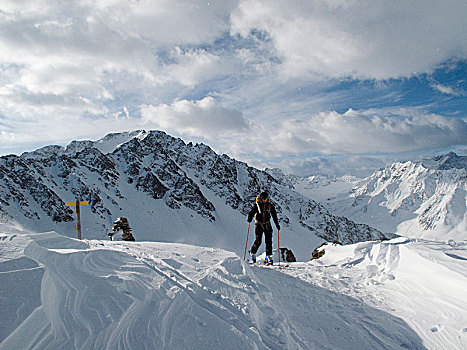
(262, 195)
(287, 255)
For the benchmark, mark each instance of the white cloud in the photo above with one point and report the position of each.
(61, 126)
(193, 66)
(356, 133)
(334, 166)
(79, 47)
(75, 48)
(61, 63)
(359, 165)
(356, 142)
(448, 90)
(332, 133)
(81, 69)
(352, 133)
(166, 22)
(60, 52)
(202, 119)
(364, 39)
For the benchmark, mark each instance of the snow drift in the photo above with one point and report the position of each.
(60, 293)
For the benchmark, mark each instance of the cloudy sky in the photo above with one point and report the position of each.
(329, 86)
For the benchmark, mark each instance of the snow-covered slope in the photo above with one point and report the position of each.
(169, 191)
(422, 282)
(320, 188)
(415, 198)
(60, 293)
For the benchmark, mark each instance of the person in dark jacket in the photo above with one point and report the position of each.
(122, 224)
(262, 211)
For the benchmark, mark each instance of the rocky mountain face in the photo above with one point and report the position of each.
(425, 199)
(154, 178)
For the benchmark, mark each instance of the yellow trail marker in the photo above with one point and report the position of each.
(73, 204)
(77, 204)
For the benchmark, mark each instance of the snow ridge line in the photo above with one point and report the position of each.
(210, 301)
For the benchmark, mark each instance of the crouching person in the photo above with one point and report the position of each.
(122, 224)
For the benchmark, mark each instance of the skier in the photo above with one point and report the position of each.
(122, 223)
(262, 211)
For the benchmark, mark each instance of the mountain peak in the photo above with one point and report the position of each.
(44, 152)
(111, 142)
(446, 162)
(162, 185)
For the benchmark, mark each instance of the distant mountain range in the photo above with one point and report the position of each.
(168, 189)
(420, 199)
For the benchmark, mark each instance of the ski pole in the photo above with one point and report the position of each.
(246, 244)
(278, 249)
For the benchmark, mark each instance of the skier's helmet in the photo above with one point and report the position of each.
(263, 196)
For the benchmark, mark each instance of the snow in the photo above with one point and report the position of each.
(422, 282)
(324, 189)
(169, 191)
(60, 293)
(424, 199)
(183, 284)
(111, 142)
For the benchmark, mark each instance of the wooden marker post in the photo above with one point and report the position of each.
(77, 204)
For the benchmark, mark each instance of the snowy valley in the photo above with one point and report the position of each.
(184, 285)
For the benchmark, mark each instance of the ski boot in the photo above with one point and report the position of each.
(253, 257)
(268, 260)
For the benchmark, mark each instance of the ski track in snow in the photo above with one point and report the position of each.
(60, 293)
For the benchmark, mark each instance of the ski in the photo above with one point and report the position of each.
(259, 263)
(262, 263)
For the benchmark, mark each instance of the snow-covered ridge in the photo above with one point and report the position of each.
(428, 202)
(414, 198)
(446, 162)
(107, 144)
(162, 185)
(108, 295)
